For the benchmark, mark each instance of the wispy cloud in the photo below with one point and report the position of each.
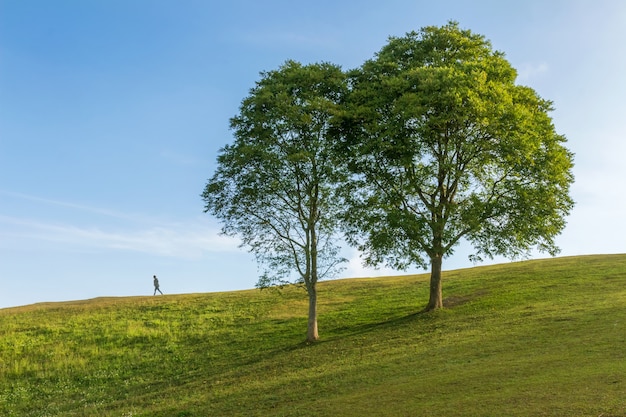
(105, 229)
(189, 240)
(71, 205)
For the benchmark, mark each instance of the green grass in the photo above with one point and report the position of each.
(533, 338)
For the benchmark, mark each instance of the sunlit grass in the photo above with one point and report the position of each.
(534, 338)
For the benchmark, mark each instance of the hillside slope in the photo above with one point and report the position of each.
(533, 338)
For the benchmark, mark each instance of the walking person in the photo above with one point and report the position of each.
(156, 286)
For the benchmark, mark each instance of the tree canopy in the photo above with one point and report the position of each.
(444, 146)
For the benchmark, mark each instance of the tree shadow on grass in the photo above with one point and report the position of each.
(423, 319)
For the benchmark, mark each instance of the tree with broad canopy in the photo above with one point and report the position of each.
(273, 186)
(444, 145)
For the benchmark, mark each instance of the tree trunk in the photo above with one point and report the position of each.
(311, 335)
(436, 294)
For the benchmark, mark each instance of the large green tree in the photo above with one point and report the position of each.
(273, 187)
(445, 146)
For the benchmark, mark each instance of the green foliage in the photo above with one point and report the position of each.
(273, 186)
(445, 146)
(540, 338)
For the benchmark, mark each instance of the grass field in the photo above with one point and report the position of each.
(533, 338)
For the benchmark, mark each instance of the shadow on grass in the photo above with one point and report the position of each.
(422, 320)
(425, 318)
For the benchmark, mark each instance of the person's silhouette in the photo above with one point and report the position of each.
(156, 286)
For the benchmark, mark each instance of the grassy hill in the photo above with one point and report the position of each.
(533, 338)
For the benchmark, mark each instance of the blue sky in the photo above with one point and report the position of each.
(112, 113)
